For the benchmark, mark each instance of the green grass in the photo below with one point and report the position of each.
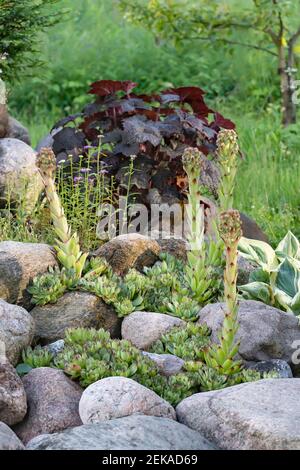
(268, 177)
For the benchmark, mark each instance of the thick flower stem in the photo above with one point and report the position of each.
(221, 356)
(196, 270)
(227, 151)
(68, 248)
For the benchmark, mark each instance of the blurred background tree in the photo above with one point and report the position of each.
(21, 21)
(268, 26)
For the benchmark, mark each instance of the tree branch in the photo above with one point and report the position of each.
(295, 37)
(231, 42)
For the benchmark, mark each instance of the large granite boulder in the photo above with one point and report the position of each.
(142, 329)
(263, 415)
(19, 264)
(16, 330)
(115, 397)
(53, 401)
(19, 175)
(13, 404)
(136, 432)
(129, 251)
(73, 310)
(16, 130)
(8, 439)
(264, 332)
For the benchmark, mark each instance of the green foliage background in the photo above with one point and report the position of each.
(94, 42)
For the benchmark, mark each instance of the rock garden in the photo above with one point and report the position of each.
(146, 341)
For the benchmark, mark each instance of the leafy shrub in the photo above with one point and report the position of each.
(154, 128)
(277, 281)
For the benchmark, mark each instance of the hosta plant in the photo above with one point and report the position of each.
(277, 280)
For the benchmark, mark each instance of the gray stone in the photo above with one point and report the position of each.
(115, 397)
(245, 268)
(264, 332)
(73, 310)
(48, 140)
(19, 175)
(16, 130)
(56, 347)
(167, 363)
(52, 403)
(129, 251)
(19, 264)
(251, 229)
(130, 433)
(142, 329)
(281, 367)
(8, 439)
(263, 415)
(176, 247)
(16, 330)
(13, 404)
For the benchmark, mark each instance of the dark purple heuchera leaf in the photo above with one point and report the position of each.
(129, 105)
(140, 129)
(68, 138)
(126, 149)
(221, 122)
(109, 87)
(191, 95)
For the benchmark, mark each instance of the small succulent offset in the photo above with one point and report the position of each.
(33, 358)
(200, 268)
(227, 152)
(276, 282)
(67, 244)
(48, 288)
(188, 343)
(221, 356)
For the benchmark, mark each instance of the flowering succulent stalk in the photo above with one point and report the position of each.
(196, 270)
(221, 356)
(67, 248)
(227, 150)
(192, 162)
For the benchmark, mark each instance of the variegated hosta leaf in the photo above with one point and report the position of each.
(288, 278)
(259, 275)
(257, 291)
(289, 246)
(259, 252)
(283, 299)
(295, 304)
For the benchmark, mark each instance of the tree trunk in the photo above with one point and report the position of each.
(286, 65)
(3, 110)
